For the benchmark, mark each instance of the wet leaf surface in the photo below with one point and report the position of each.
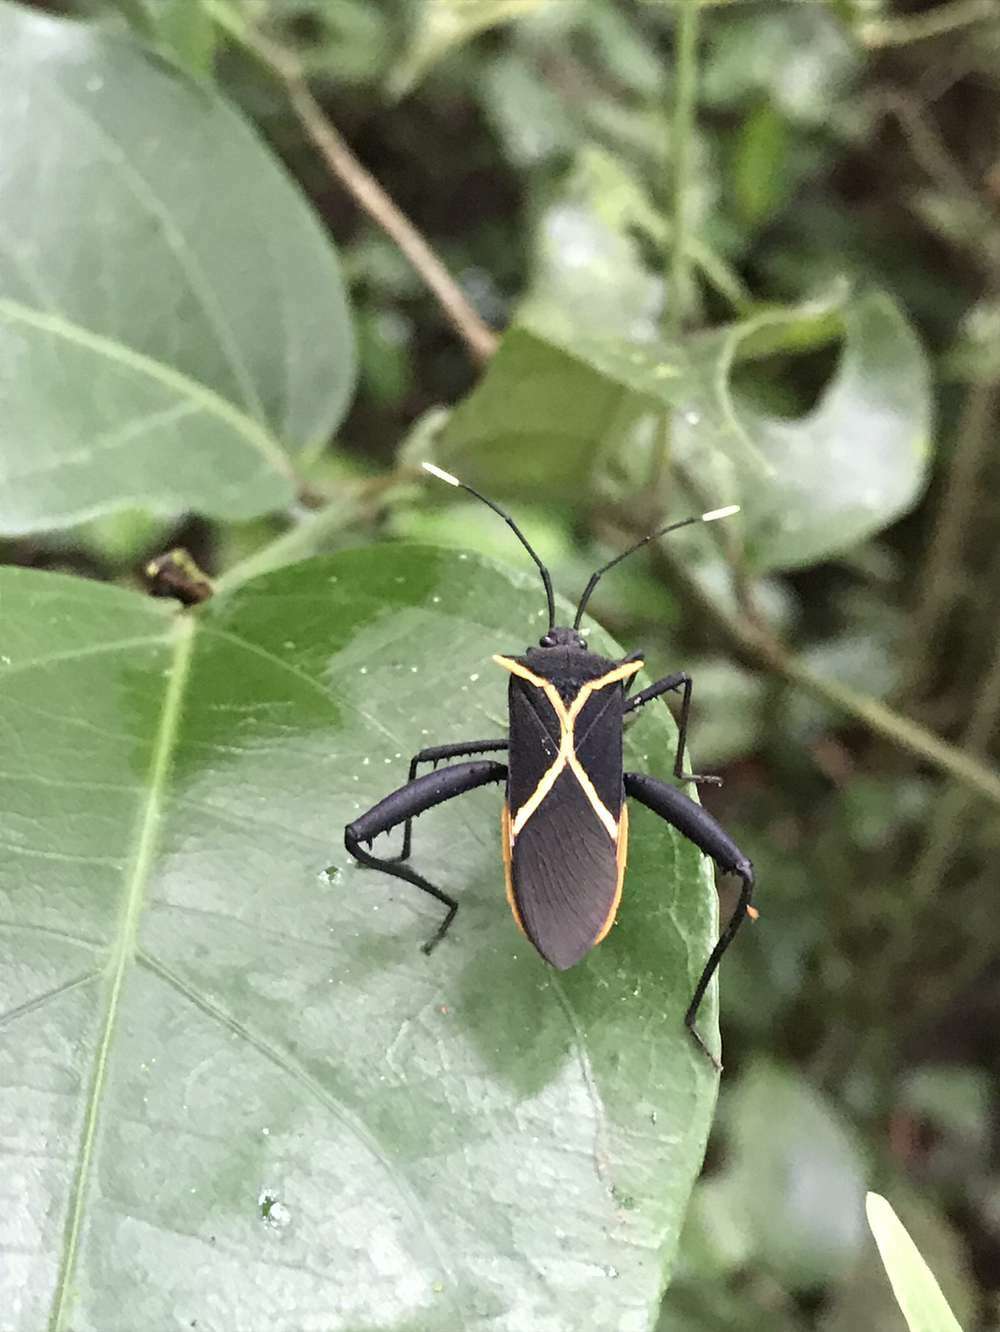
(235, 1091)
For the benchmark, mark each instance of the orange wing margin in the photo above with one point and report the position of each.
(621, 856)
(508, 880)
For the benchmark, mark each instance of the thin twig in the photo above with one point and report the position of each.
(319, 531)
(947, 824)
(762, 649)
(685, 90)
(943, 562)
(478, 337)
(936, 22)
(932, 155)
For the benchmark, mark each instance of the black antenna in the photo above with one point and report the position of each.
(709, 517)
(546, 578)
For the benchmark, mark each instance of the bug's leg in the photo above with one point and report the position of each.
(698, 826)
(423, 793)
(683, 682)
(434, 754)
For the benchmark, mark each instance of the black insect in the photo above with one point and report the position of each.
(565, 821)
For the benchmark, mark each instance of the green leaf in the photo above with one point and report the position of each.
(553, 406)
(850, 466)
(232, 1082)
(801, 59)
(917, 1293)
(795, 1178)
(173, 325)
(537, 422)
(442, 25)
(760, 175)
(181, 29)
(865, 1299)
(186, 32)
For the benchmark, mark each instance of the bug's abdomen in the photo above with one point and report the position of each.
(564, 875)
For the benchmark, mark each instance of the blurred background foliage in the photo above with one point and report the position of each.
(843, 196)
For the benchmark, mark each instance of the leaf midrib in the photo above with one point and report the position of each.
(145, 842)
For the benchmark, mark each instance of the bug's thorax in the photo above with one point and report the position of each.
(558, 700)
(566, 669)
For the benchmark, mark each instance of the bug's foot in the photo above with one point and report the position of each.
(699, 779)
(440, 932)
(696, 1037)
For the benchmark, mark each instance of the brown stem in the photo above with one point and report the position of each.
(943, 563)
(762, 649)
(478, 337)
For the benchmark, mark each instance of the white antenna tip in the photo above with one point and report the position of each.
(711, 516)
(440, 474)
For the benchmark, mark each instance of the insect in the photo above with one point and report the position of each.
(564, 823)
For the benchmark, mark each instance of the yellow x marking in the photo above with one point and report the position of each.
(566, 757)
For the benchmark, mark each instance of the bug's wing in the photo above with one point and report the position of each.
(564, 874)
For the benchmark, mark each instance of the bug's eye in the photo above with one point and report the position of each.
(548, 641)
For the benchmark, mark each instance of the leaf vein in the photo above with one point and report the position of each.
(57, 325)
(317, 1091)
(146, 196)
(145, 841)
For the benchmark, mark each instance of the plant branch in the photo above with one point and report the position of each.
(685, 90)
(319, 531)
(932, 155)
(943, 563)
(976, 741)
(479, 338)
(762, 649)
(881, 32)
(947, 825)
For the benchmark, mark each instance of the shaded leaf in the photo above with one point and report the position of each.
(802, 59)
(533, 122)
(854, 463)
(537, 422)
(796, 1177)
(186, 32)
(231, 1083)
(553, 406)
(761, 179)
(173, 325)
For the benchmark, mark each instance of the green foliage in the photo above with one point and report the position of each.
(160, 346)
(224, 1024)
(182, 29)
(779, 1129)
(441, 25)
(552, 408)
(467, 1139)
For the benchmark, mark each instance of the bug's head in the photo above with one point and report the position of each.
(561, 638)
(572, 638)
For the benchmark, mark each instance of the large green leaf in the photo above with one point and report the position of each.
(236, 1094)
(552, 408)
(173, 323)
(538, 422)
(845, 470)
